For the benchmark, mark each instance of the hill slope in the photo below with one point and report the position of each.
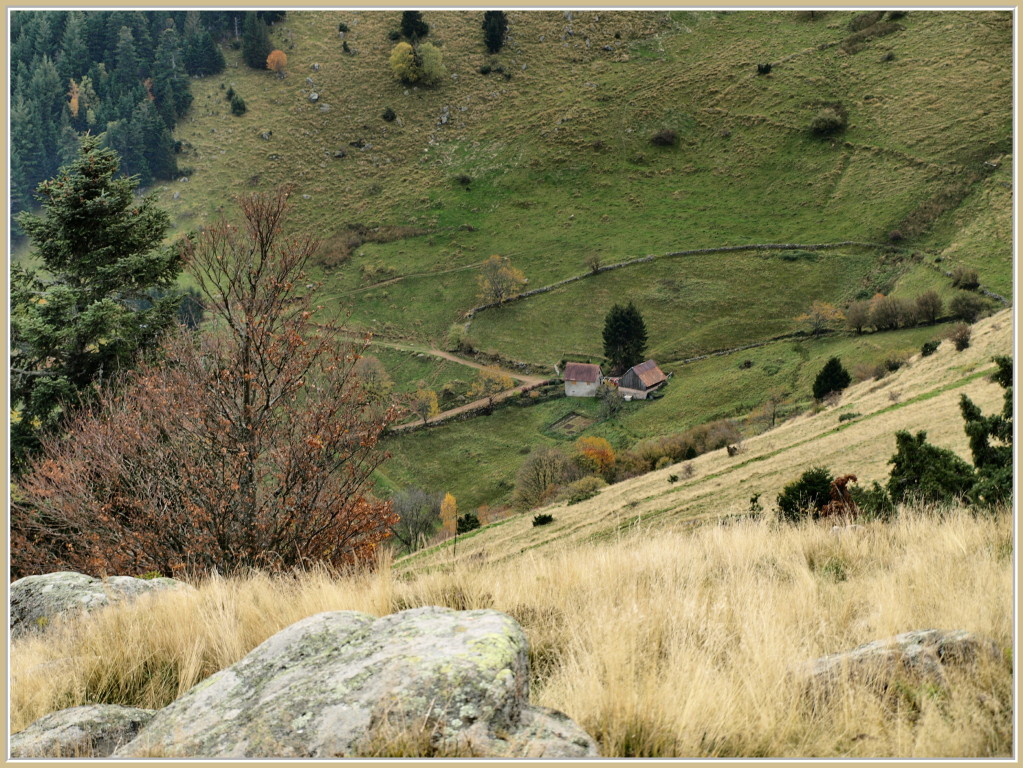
(548, 160)
(923, 395)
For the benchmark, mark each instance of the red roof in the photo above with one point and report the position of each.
(649, 374)
(582, 372)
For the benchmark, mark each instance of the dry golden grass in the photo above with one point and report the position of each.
(679, 644)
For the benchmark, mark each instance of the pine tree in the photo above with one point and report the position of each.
(624, 337)
(73, 59)
(170, 84)
(127, 72)
(256, 45)
(202, 54)
(495, 26)
(412, 25)
(992, 461)
(78, 319)
(833, 377)
(926, 473)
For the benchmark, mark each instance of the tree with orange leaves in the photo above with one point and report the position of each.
(250, 444)
(276, 62)
(596, 455)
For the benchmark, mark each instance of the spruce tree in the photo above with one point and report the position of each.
(495, 26)
(256, 45)
(412, 25)
(833, 377)
(87, 312)
(624, 337)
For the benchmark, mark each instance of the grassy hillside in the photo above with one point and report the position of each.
(549, 162)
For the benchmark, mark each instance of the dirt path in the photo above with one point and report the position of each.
(528, 382)
(473, 406)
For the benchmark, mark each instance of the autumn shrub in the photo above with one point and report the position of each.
(960, 335)
(596, 455)
(929, 307)
(863, 20)
(887, 313)
(247, 445)
(829, 120)
(666, 137)
(965, 278)
(967, 306)
(582, 489)
(806, 496)
(541, 476)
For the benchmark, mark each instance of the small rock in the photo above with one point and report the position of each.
(316, 67)
(93, 730)
(921, 655)
(314, 97)
(265, 135)
(177, 195)
(309, 81)
(183, 179)
(307, 197)
(324, 107)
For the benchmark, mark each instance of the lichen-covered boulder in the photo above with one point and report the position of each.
(37, 600)
(919, 655)
(345, 684)
(94, 730)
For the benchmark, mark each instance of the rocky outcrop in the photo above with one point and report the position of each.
(345, 684)
(95, 730)
(37, 600)
(920, 655)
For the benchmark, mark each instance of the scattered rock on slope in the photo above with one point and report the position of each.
(345, 684)
(921, 654)
(94, 730)
(37, 600)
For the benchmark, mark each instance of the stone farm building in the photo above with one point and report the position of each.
(582, 379)
(640, 380)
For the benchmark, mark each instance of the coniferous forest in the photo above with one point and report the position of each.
(123, 74)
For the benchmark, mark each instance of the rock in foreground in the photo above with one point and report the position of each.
(344, 684)
(37, 600)
(94, 730)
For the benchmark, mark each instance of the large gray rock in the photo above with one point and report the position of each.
(37, 600)
(345, 684)
(920, 655)
(94, 730)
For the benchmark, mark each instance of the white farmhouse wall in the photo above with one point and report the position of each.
(581, 389)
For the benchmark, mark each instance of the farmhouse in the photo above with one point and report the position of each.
(640, 380)
(582, 379)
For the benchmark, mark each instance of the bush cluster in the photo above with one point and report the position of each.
(960, 336)
(829, 120)
(666, 137)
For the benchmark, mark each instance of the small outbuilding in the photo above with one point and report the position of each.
(641, 380)
(582, 379)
